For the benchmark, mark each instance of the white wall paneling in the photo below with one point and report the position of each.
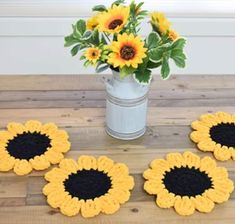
(32, 31)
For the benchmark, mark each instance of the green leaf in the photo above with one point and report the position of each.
(152, 40)
(165, 70)
(80, 28)
(143, 77)
(70, 40)
(179, 44)
(179, 61)
(101, 67)
(75, 50)
(99, 8)
(153, 65)
(156, 54)
(87, 35)
(125, 71)
(118, 2)
(82, 57)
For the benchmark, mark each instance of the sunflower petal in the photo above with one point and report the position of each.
(109, 205)
(69, 164)
(184, 206)
(191, 159)
(90, 208)
(33, 126)
(7, 163)
(203, 204)
(165, 199)
(39, 162)
(70, 207)
(87, 162)
(104, 164)
(22, 167)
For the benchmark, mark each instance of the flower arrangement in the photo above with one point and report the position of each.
(111, 39)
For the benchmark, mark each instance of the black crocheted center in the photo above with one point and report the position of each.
(28, 145)
(223, 134)
(87, 184)
(185, 181)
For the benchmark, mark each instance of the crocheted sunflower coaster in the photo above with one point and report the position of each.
(215, 133)
(31, 146)
(89, 186)
(186, 182)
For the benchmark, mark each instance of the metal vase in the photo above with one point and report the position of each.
(126, 107)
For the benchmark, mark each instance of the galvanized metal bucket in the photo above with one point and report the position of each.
(126, 107)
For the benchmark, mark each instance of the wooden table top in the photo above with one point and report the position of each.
(77, 104)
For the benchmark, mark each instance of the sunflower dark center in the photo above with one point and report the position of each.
(94, 54)
(223, 134)
(185, 181)
(87, 184)
(28, 145)
(127, 52)
(115, 23)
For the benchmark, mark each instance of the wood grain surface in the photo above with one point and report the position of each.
(77, 104)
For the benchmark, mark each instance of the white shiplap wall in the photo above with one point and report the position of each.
(32, 31)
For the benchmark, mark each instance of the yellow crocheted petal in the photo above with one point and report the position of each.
(53, 157)
(104, 164)
(60, 145)
(206, 145)
(51, 187)
(200, 126)
(160, 164)
(56, 175)
(165, 199)
(109, 205)
(127, 182)
(209, 119)
(154, 186)
(203, 204)
(90, 208)
(175, 159)
(70, 207)
(15, 128)
(184, 206)
(233, 153)
(216, 195)
(121, 195)
(222, 153)
(223, 117)
(5, 136)
(7, 163)
(191, 159)
(87, 162)
(153, 174)
(59, 134)
(224, 185)
(22, 167)
(33, 125)
(69, 164)
(39, 162)
(56, 198)
(219, 173)
(49, 129)
(197, 136)
(207, 164)
(3, 153)
(118, 170)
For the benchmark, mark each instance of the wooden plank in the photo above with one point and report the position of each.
(88, 117)
(95, 82)
(12, 201)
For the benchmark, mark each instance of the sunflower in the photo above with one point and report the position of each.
(92, 23)
(128, 50)
(89, 186)
(31, 146)
(186, 182)
(159, 21)
(114, 19)
(215, 133)
(93, 54)
(173, 35)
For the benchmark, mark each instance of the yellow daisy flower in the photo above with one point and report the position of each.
(89, 186)
(173, 35)
(187, 183)
(215, 133)
(128, 50)
(93, 54)
(31, 146)
(114, 19)
(159, 20)
(93, 22)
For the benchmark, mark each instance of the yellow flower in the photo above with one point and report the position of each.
(93, 54)
(31, 146)
(89, 186)
(128, 50)
(215, 133)
(92, 23)
(159, 20)
(173, 35)
(114, 19)
(187, 183)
